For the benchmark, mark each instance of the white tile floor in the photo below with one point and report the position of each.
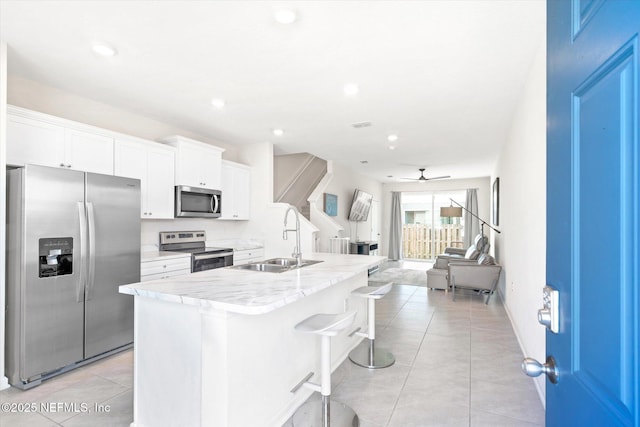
(457, 364)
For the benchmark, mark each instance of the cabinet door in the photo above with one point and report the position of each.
(189, 166)
(160, 187)
(242, 192)
(131, 162)
(210, 169)
(88, 152)
(34, 142)
(226, 186)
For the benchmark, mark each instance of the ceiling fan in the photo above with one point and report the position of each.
(423, 179)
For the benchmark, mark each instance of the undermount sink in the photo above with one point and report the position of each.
(275, 265)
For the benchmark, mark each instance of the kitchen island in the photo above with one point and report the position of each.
(218, 348)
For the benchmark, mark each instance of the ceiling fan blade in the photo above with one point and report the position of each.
(412, 179)
(438, 177)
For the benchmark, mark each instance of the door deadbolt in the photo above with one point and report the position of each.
(549, 313)
(533, 368)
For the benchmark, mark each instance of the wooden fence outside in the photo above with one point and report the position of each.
(417, 238)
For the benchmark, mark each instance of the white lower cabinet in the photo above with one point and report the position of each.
(163, 268)
(246, 256)
(153, 164)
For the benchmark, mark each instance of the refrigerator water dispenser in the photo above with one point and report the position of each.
(56, 256)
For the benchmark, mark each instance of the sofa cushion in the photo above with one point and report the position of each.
(472, 253)
(485, 259)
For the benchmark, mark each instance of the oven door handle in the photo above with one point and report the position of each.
(209, 256)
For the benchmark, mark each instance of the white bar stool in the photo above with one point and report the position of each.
(365, 355)
(311, 414)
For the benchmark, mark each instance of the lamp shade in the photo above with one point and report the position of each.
(451, 211)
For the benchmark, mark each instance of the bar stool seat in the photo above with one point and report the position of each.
(327, 413)
(365, 354)
(326, 324)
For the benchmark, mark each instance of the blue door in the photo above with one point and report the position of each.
(593, 210)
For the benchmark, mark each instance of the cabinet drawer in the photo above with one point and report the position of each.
(246, 256)
(148, 277)
(163, 266)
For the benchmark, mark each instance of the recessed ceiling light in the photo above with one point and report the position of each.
(392, 137)
(217, 102)
(104, 49)
(278, 132)
(392, 147)
(285, 16)
(350, 89)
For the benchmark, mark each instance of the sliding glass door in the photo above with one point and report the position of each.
(425, 234)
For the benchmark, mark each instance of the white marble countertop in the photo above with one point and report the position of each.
(254, 292)
(237, 244)
(158, 255)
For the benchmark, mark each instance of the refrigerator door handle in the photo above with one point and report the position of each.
(92, 249)
(80, 266)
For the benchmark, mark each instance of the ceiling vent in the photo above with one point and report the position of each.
(360, 125)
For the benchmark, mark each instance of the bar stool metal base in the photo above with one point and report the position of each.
(310, 414)
(367, 356)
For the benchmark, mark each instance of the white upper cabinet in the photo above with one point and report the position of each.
(197, 164)
(236, 191)
(153, 165)
(88, 152)
(41, 139)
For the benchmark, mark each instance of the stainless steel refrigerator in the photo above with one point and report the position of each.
(72, 239)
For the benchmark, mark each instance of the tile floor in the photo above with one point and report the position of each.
(457, 364)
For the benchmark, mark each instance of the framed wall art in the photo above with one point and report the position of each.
(330, 204)
(496, 202)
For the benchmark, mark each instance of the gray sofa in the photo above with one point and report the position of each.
(437, 277)
(479, 276)
(473, 269)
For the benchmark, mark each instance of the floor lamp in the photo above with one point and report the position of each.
(456, 212)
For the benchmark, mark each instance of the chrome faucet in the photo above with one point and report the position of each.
(297, 253)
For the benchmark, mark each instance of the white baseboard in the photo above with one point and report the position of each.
(541, 394)
(4, 383)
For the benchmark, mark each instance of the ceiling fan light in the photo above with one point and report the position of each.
(392, 138)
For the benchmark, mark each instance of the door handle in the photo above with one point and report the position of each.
(80, 266)
(92, 249)
(533, 368)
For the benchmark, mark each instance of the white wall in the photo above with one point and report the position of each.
(4, 383)
(521, 248)
(343, 184)
(481, 184)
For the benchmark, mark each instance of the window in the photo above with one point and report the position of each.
(424, 233)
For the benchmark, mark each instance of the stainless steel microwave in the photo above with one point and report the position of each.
(194, 202)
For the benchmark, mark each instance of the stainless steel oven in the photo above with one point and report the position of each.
(202, 257)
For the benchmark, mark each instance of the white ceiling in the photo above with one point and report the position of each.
(443, 75)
